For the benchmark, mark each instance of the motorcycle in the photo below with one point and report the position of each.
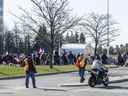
(97, 78)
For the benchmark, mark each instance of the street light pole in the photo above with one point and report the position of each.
(108, 41)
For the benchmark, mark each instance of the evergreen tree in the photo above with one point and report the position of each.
(117, 49)
(126, 47)
(67, 38)
(9, 42)
(111, 50)
(21, 46)
(76, 38)
(1, 44)
(27, 43)
(122, 48)
(82, 38)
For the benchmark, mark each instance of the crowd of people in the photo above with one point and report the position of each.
(65, 58)
(41, 59)
(123, 59)
(8, 59)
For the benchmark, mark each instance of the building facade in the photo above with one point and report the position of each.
(1, 26)
(1, 16)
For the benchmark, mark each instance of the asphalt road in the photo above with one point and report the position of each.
(51, 86)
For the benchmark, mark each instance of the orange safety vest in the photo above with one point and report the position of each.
(80, 63)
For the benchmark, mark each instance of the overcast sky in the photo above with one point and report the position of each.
(118, 9)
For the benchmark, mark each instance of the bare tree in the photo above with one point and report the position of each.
(96, 28)
(54, 14)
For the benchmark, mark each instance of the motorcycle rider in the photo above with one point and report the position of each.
(98, 66)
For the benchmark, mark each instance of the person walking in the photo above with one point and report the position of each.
(81, 63)
(30, 71)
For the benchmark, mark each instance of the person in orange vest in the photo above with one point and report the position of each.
(81, 63)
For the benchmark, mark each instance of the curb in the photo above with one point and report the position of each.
(47, 74)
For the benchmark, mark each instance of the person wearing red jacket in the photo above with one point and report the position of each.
(81, 63)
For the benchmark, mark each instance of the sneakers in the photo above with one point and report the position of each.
(82, 80)
(34, 87)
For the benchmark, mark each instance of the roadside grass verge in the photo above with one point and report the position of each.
(8, 71)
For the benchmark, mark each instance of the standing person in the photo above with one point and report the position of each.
(0, 59)
(56, 58)
(30, 71)
(81, 63)
(104, 58)
(120, 60)
(37, 58)
(71, 58)
(126, 59)
(64, 58)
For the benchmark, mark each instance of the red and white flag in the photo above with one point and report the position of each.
(41, 51)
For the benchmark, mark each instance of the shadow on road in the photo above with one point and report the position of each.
(112, 87)
(51, 89)
(119, 81)
(7, 93)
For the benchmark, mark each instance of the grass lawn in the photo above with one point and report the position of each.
(7, 71)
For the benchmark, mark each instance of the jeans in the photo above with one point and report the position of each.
(30, 74)
(81, 74)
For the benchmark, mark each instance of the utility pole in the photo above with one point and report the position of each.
(108, 41)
